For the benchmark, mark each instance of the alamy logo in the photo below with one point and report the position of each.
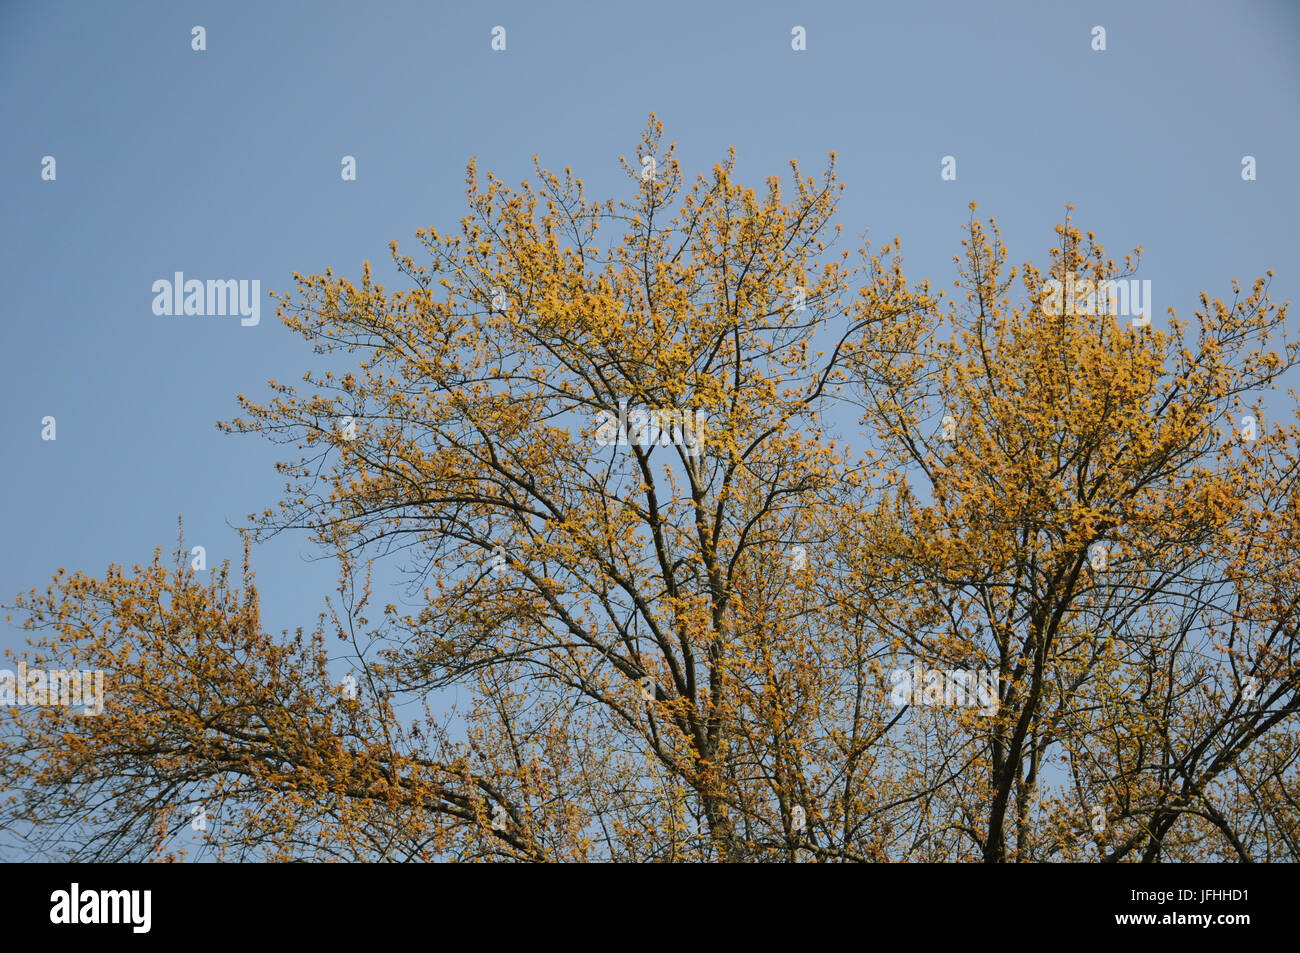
(66, 687)
(937, 687)
(1115, 297)
(103, 906)
(217, 297)
(647, 428)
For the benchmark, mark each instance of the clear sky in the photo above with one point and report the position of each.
(225, 163)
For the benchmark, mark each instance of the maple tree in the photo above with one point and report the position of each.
(679, 646)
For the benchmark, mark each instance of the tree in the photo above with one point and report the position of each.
(679, 601)
(1104, 535)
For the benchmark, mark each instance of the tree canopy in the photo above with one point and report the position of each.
(692, 495)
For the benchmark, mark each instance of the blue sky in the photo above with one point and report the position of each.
(225, 164)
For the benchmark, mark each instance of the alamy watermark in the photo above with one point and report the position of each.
(933, 688)
(69, 688)
(216, 297)
(646, 428)
(1116, 297)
